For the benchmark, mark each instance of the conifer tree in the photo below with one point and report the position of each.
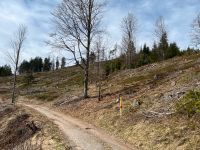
(63, 62)
(57, 63)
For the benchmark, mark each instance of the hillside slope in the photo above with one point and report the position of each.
(154, 124)
(158, 87)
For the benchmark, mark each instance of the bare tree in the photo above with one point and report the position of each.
(77, 24)
(129, 27)
(17, 44)
(160, 28)
(196, 31)
(161, 36)
(99, 49)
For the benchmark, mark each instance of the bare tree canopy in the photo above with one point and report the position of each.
(77, 23)
(161, 36)
(129, 28)
(196, 31)
(160, 28)
(17, 45)
(99, 49)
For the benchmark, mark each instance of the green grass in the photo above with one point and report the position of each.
(189, 104)
(135, 79)
(46, 96)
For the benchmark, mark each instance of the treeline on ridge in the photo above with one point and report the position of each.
(159, 52)
(39, 65)
(5, 71)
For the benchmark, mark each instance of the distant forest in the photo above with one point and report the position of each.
(5, 71)
(143, 57)
(39, 65)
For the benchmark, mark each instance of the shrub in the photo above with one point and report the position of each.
(112, 66)
(47, 96)
(28, 79)
(107, 69)
(189, 104)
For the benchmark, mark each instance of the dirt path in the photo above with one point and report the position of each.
(82, 136)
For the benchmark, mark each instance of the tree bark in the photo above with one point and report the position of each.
(99, 92)
(14, 87)
(15, 76)
(86, 84)
(89, 30)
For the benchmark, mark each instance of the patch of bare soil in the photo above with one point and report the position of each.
(26, 129)
(15, 129)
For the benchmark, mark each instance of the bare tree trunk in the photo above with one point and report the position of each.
(86, 79)
(99, 77)
(89, 29)
(99, 92)
(100, 56)
(15, 74)
(14, 87)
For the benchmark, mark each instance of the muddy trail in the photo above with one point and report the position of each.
(82, 136)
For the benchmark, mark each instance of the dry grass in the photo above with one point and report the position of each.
(158, 86)
(166, 132)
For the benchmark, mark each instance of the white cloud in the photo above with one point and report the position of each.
(36, 15)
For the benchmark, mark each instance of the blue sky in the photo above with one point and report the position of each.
(36, 14)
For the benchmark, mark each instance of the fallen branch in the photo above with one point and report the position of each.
(151, 114)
